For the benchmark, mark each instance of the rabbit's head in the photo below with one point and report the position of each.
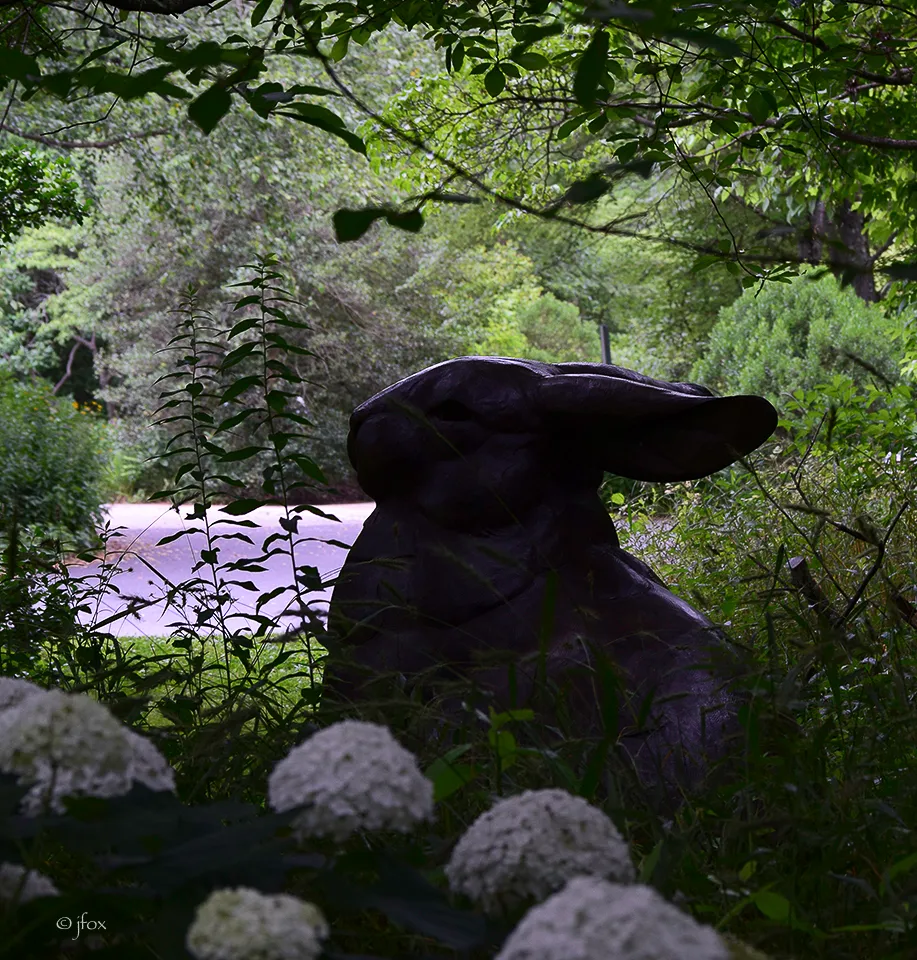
(481, 440)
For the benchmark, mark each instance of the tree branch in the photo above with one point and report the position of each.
(142, 6)
(884, 143)
(901, 77)
(69, 368)
(81, 144)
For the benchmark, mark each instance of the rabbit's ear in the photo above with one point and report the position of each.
(647, 430)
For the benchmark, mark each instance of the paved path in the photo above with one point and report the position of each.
(142, 570)
(139, 571)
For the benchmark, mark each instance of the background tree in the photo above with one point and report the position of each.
(800, 112)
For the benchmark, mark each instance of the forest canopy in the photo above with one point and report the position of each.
(225, 225)
(798, 112)
(443, 179)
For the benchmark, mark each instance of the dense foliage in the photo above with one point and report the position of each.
(35, 188)
(51, 462)
(542, 107)
(437, 180)
(792, 337)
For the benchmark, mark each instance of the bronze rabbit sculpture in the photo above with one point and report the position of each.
(489, 535)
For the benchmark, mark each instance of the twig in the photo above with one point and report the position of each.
(81, 144)
(802, 579)
(874, 569)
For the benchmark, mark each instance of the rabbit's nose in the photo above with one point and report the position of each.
(385, 451)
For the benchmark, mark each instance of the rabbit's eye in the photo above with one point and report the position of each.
(451, 410)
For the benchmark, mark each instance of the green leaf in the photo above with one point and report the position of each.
(339, 50)
(458, 56)
(247, 323)
(650, 861)
(585, 191)
(412, 220)
(17, 65)
(531, 61)
(246, 301)
(494, 82)
(260, 11)
(239, 387)
(245, 453)
(209, 53)
(210, 107)
(705, 261)
(175, 536)
(448, 778)
(905, 865)
(761, 105)
(568, 126)
(707, 38)
(309, 467)
(591, 68)
(326, 120)
(504, 746)
(748, 870)
(352, 224)
(236, 419)
(140, 84)
(237, 355)
(774, 906)
(238, 507)
(626, 152)
(277, 400)
(498, 720)
(60, 84)
(318, 115)
(724, 125)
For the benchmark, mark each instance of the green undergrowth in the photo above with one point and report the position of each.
(803, 844)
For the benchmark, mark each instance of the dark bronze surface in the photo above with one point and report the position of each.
(488, 535)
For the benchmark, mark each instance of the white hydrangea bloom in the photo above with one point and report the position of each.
(17, 883)
(592, 919)
(528, 846)
(13, 691)
(244, 924)
(64, 745)
(148, 766)
(354, 776)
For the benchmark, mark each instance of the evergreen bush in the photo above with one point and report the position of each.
(50, 461)
(787, 337)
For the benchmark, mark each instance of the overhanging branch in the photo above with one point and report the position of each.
(81, 144)
(141, 6)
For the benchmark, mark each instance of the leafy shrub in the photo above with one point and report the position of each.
(50, 461)
(793, 336)
(808, 560)
(34, 189)
(133, 465)
(153, 875)
(556, 333)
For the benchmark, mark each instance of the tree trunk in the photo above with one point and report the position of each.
(851, 251)
(810, 246)
(848, 252)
